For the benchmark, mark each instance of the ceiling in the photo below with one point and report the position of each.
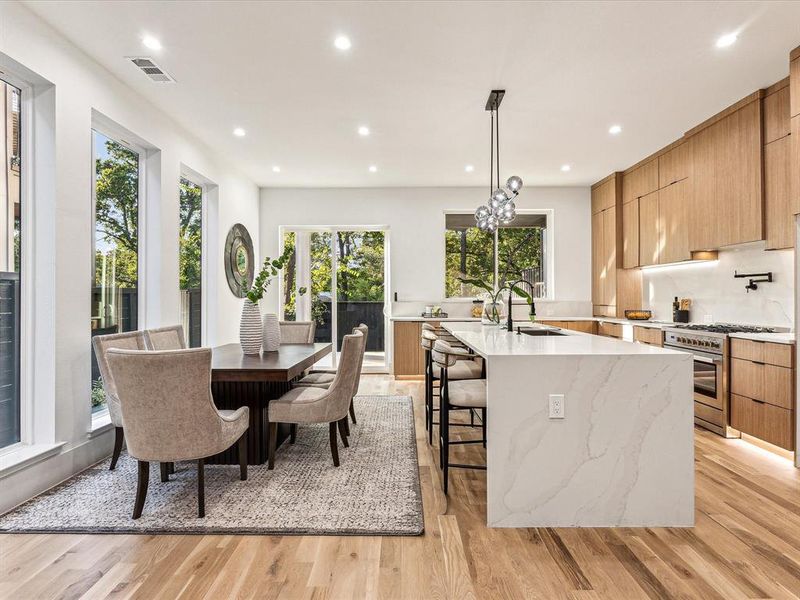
(418, 74)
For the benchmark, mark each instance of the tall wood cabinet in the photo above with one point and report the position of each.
(779, 212)
(794, 127)
(613, 289)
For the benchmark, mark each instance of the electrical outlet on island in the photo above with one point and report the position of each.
(556, 406)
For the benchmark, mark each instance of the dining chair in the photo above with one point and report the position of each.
(170, 416)
(165, 338)
(467, 394)
(324, 379)
(298, 332)
(129, 340)
(308, 404)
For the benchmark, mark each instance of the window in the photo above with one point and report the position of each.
(517, 251)
(190, 257)
(115, 285)
(10, 271)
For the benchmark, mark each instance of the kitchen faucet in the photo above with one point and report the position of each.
(510, 322)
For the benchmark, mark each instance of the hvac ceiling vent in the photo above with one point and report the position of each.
(151, 69)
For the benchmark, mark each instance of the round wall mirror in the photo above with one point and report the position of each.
(239, 260)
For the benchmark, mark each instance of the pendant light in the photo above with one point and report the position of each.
(500, 209)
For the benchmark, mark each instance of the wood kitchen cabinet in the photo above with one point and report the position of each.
(652, 336)
(639, 181)
(794, 157)
(674, 165)
(630, 234)
(779, 211)
(610, 254)
(598, 260)
(673, 211)
(776, 111)
(582, 326)
(794, 82)
(408, 355)
(649, 230)
(728, 200)
(604, 196)
(762, 390)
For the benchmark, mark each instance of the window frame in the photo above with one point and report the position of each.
(107, 128)
(204, 185)
(548, 259)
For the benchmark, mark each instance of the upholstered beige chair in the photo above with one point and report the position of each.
(324, 379)
(298, 332)
(306, 404)
(169, 413)
(468, 394)
(165, 338)
(130, 340)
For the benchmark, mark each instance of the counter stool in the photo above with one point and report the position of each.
(468, 394)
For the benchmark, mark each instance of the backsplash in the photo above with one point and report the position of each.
(715, 292)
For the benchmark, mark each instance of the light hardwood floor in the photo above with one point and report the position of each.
(746, 544)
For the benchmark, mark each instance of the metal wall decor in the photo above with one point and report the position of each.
(501, 208)
(239, 260)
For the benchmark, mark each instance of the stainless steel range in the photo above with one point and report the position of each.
(709, 346)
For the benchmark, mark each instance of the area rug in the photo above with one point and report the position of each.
(375, 491)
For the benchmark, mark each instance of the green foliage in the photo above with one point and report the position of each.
(191, 237)
(270, 268)
(359, 273)
(98, 393)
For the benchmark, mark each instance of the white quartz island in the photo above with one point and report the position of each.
(622, 456)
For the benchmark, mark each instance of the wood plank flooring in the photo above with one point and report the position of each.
(746, 544)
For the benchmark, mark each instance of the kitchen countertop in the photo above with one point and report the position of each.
(637, 323)
(488, 340)
(777, 338)
(439, 319)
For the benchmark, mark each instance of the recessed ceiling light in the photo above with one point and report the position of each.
(150, 42)
(276, 169)
(565, 168)
(615, 129)
(239, 132)
(469, 168)
(373, 169)
(727, 40)
(342, 42)
(363, 131)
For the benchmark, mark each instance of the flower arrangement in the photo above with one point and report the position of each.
(271, 268)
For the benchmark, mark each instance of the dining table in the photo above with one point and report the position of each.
(253, 380)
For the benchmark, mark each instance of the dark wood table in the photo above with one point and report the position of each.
(253, 380)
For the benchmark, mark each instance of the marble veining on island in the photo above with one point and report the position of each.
(623, 455)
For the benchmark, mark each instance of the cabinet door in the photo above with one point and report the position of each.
(604, 196)
(630, 234)
(704, 222)
(794, 143)
(776, 115)
(649, 230)
(674, 165)
(794, 85)
(673, 205)
(777, 177)
(598, 260)
(407, 348)
(610, 250)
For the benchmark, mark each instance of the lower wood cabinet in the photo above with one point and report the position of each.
(652, 336)
(583, 326)
(764, 421)
(609, 329)
(409, 358)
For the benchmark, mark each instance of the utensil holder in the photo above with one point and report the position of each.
(680, 316)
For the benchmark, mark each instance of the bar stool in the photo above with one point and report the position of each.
(468, 394)
(465, 368)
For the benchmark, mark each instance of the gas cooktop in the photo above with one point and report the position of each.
(725, 328)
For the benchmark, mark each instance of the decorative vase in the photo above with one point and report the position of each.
(250, 328)
(493, 311)
(271, 333)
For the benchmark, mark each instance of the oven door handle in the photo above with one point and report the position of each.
(709, 359)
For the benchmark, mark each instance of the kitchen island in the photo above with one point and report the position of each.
(623, 453)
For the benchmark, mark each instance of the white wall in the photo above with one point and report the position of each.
(715, 292)
(415, 217)
(81, 85)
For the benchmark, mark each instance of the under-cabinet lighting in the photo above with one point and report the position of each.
(699, 259)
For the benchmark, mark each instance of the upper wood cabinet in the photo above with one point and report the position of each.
(779, 214)
(604, 195)
(673, 217)
(630, 234)
(610, 250)
(794, 173)
(776, 113)
(649, 230)
(794, 83)
(674, 165)
(640, 181)
(728, 201)
(598, 260)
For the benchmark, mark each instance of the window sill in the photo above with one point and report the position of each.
(101, 422)
(25, 456)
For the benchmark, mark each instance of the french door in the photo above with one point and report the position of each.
(337, 278)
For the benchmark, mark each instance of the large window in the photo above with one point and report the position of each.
(191, 254)
(10, 259)
(516, 251)
(115, 285)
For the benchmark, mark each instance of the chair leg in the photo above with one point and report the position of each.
(342, 423)
(201, 488)
(171, 468)
(164, 472)
(444, 427)
(243, 457)
(347, 426)
(119, 436)
(292, 433)
(141, 488)
(334, 445)
(483, 425)
(273, 442)
(353, 412)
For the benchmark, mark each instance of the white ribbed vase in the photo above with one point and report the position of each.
(250, 328)
(271, 334)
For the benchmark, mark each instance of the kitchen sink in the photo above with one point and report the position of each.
(537, 332)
